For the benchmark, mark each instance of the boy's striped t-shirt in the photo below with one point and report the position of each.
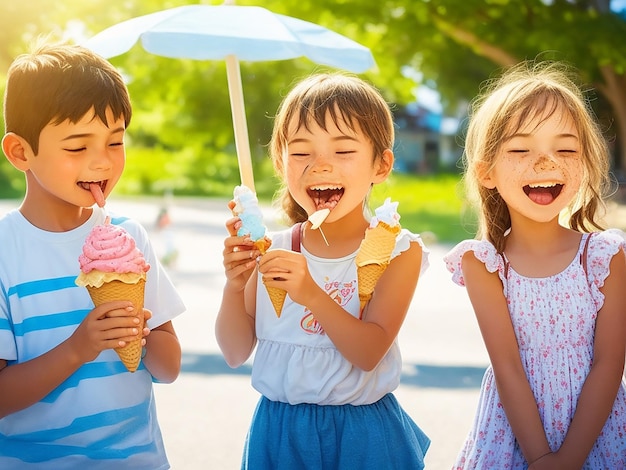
(101, 416)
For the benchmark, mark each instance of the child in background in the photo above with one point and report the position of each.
(326, 374)
(549, 300)
(163, 226)
(66, 399)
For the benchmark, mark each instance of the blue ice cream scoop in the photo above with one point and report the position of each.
(247, 209)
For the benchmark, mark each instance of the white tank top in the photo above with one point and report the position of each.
(296, 362)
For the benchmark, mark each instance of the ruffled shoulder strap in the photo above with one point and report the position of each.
(484, 252)
(602, 247)
(403, 242)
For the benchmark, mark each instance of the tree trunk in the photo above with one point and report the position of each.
(613, 88)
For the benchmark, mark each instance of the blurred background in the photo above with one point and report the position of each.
(432, 57)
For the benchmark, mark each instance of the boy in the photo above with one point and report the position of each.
(66, 400)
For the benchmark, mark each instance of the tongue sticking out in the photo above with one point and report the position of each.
(96, 192)
(542, 196)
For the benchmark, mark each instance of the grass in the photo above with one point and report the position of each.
(429, 205)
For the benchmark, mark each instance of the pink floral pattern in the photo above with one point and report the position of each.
(554, 321)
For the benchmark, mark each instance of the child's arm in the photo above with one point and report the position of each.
(362, 342)
(234, 327)
(105, 327)
(601, 385)
(163, 353)
(490, 306)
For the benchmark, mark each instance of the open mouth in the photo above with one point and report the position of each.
(86, 185)
(325, 196)
(96, 188)
(543, 193)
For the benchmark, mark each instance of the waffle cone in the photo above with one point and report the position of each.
(277, 296)
(377, 245)
(117, 290)
(368, 276)
(263, 244)
(373, 257)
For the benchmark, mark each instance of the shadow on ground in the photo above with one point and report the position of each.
(415, 375)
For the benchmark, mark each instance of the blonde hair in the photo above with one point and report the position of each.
(532, 90)
(348, 101)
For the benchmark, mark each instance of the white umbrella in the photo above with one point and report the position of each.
(232, 33)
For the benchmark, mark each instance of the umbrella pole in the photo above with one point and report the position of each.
(237, 106)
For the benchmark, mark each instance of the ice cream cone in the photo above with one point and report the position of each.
(368, 276)
(277, 296)
(373, 257)
(378, 244)
(263, 244)
(117, 290)
(247, 209)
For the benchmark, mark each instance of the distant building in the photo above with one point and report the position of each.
(426, 141)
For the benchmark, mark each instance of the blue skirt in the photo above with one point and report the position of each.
(320, 437)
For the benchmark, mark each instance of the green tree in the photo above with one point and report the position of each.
(458, 44)
(182, 124)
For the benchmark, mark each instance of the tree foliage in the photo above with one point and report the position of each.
(458, 44)
(181, 107)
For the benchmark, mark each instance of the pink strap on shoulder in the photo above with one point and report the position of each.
(296, 236)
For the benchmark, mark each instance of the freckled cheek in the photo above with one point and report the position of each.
(518, 170)
(572, 171)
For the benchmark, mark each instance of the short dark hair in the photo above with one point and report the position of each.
(59, 82)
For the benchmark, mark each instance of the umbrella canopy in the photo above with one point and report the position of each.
(232, 33)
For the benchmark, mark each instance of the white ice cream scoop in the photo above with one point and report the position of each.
(317, 218)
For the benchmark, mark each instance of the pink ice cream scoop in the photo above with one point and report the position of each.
(112, 268)
(110, 249)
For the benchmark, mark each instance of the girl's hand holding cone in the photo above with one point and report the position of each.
(245, 206)
(288, 270)
(239, 255)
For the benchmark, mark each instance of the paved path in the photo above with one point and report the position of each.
(205, 414)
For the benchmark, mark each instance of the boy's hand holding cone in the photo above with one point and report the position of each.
(112, 268)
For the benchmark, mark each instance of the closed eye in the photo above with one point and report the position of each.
(76, 150)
